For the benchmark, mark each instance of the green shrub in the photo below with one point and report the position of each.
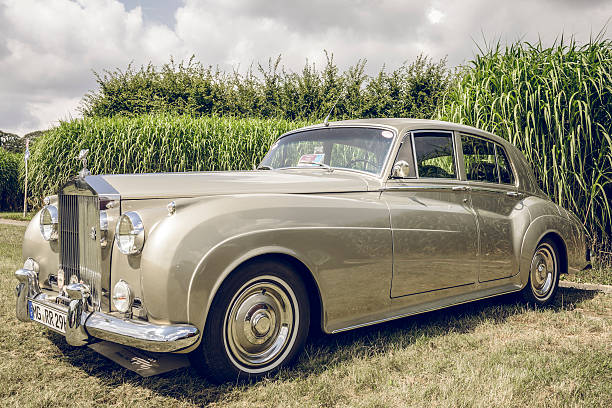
(555, 105)
(412, 90)
(149, 143)
(11, 193)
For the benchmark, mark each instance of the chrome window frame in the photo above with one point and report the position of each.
(400, 144)
(496, 145)
(455, 153)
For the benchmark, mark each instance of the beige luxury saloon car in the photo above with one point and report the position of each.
(342, 225)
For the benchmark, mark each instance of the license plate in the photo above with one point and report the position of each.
(52, 318)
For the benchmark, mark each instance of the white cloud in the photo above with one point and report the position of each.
(49, 48)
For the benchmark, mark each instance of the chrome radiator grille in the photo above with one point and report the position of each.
(80, 251)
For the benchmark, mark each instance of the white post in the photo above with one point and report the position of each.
(25, 193)
(26, 156)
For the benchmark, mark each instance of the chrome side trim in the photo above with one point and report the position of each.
(83, 326)
(468, 186)
(417, 187)
(493, 189)
(425, 310)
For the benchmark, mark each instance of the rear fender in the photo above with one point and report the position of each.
(537, 230)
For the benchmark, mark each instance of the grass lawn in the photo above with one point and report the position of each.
(602, 276)
(18, 216)
(490, 353)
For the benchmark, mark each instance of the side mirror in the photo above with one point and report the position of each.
(400, 169)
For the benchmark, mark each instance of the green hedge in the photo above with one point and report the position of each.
(11, 193)
(555, 105)
(412, 90)
(149, 143)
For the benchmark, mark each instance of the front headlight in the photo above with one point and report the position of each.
(130, 234)
(48, 222)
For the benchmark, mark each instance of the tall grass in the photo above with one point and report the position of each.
(555, 104)
(150, 143)
(11, 193)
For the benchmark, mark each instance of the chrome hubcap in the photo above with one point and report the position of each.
(260, 321)
(543, 271)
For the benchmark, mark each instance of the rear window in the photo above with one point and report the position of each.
(485, 161)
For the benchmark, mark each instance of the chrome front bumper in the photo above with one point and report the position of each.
(83, 326)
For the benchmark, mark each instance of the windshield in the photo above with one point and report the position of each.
(361, 149)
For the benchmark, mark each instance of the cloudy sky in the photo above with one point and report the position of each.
(49, 48)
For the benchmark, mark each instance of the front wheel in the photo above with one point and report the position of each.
(257, 323)
(543, 274)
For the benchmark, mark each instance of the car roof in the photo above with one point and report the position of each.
(401, 125)
(405, 124)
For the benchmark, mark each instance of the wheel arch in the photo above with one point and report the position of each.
(546, 226)
(216, 268)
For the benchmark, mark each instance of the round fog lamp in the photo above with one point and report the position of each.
(129, 233)
(122, 296)
(48, 222)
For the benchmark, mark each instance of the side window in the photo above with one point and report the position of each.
(405, 153)
(435, 155)
(505, 171)
(479, 157)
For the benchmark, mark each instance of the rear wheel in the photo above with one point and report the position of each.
(257, 323)
(543, 274)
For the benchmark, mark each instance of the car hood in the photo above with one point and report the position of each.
(194, 184)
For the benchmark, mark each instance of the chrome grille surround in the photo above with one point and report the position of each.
(80, 251)
(82, 255)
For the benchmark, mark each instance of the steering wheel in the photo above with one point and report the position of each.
(366, 161)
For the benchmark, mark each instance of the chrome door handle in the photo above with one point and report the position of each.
(513, 194)
(461, 188)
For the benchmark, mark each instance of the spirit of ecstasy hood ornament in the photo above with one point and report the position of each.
(83, 158)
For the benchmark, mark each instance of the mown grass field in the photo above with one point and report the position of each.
(601, 276)
(490, 353)
(16, 216)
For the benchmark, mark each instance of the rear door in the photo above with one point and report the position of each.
(497, 205)
(434, 228)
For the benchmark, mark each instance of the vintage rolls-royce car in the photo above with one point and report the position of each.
(342, 225)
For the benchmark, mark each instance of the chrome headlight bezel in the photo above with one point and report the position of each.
(48, 220)
(130, 233)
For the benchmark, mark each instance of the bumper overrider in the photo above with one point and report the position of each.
(83, 326)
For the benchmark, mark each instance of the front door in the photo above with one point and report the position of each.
(434, 228)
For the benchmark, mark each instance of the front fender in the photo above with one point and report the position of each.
(342, 240)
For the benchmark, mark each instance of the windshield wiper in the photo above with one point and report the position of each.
(264, 167)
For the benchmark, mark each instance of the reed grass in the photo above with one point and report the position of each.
(554, 103)
(150, 143)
